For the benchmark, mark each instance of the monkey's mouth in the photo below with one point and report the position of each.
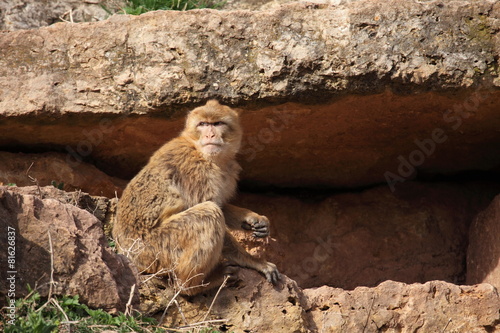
(212, 148)
(212, 143)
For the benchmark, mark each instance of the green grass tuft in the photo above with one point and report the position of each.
(33, 314)
(137, 7)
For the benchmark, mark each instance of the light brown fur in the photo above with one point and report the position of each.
(174, 213)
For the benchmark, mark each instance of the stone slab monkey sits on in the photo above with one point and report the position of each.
(174, 214)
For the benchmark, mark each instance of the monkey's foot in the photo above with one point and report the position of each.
(231, 272)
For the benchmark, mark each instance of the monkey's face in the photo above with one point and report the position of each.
(211, 136)
(215, 129)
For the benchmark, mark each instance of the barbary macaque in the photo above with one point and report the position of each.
(174, 214)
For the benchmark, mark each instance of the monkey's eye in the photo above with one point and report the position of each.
(202, 123)
(219, 123)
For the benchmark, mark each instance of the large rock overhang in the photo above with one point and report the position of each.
(331, 96)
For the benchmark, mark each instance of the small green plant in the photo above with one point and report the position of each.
(57, 185)
(137, 7)
(67, 314)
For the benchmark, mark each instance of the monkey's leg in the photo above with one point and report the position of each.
(236, 254)
(191, 244)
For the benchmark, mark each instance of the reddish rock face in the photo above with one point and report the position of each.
(57, 169)
(355, 141)
(364, 140)
(483, 257)
(417, 234)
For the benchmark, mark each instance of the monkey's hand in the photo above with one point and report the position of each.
(271, 273)
(259, 224)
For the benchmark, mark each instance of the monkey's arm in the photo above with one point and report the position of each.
(241, 218)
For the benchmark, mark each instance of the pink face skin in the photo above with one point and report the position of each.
(211, 140)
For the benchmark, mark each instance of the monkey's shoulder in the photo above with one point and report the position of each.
(145, 197)
(175, 153)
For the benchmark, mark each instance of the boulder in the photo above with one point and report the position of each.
(483, 256)
(345, 95)
(49, 239)
(252, 304)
